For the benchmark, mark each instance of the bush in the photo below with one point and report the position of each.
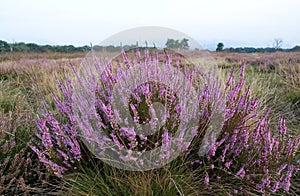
(247, 152)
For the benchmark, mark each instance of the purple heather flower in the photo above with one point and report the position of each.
(266, 182)
(224, 152)
(253, 105)
(116, 141)
(206, 93)
(241, 173)
(275, 187)
(46, 136)
(166, 139)
(230, 80)
(135, 113)
(138, 54)
(228, 164)
(58, 170)
(242, 73)
(282, 127)
(206, 179)
(286, 185)
(126, 62)
(196, 161)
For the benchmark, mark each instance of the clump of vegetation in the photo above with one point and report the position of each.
(20, 170)
(250, 154)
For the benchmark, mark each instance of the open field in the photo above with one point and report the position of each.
(256, 153)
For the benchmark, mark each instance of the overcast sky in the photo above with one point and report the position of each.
(79, 22)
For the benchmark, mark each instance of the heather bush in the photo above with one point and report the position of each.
(20, 171)
(56, 143)
(262, 62)
(249, 151)
(248, 148)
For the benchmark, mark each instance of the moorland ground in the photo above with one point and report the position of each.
(28, 78)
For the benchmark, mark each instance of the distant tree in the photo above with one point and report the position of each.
(97, 48)
(250, 49)
(176, 44)
(184, 44)
(34, 47)
(231, 49)
(269, 50)
(4, 46)
(170, 43)
(20, 47)
(220, 47)
(47, 48)
(84, 48)
(70, 48)
(296, 49)
(278, 43)
(110, 48)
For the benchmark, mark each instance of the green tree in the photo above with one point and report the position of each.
(220, 47)
(184, 44)
(34, 47)
(296, 49)
(4, 46)
(170, 43)
(20, 47)
(176, 44)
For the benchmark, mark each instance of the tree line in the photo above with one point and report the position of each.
(183, 44)
(32, 47)
(277, 47)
